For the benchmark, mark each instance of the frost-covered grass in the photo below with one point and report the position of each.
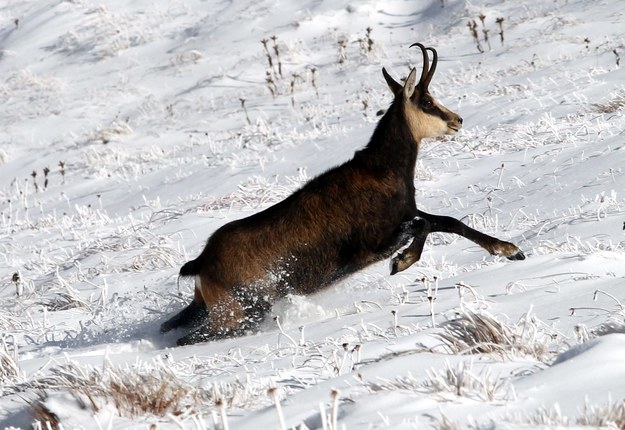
(129, 131)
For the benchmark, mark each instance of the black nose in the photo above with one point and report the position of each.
(460, 120)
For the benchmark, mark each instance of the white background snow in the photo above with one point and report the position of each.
(157, 124)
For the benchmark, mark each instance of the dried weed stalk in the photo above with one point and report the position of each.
(473, 29)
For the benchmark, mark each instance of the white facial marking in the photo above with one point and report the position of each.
(424, 125)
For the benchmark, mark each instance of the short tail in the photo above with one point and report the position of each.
(190, 268)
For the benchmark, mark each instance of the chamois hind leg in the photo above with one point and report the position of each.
(226, 316)
(493, 245)
(212, 330)
(228, 324)
(194, 314)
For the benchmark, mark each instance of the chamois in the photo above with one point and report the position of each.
(341, 221)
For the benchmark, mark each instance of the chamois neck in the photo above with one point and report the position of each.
(392, 145)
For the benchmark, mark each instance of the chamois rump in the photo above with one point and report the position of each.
(345, 219)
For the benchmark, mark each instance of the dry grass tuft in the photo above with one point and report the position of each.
(452, 382)
(133, 393)
(9, 368)
(611, 415)
(461, 381)
(43, 417)
(614, 104)
(64, 301)
(478, 333)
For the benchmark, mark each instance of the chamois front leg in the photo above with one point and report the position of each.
(493, 245)
(420, 229)
(427, 223)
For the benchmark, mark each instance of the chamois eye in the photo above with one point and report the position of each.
(428, 103)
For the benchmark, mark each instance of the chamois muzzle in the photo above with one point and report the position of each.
(454, 124)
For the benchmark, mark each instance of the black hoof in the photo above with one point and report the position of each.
(397, 264)
(394, 268)
(192, 316)
(518, 256)
(185, 340)
(193, 338)
(166, 326)
(204, 334)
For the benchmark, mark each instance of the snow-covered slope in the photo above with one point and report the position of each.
(129, 131)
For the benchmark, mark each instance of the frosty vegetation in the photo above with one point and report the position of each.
(130, 131)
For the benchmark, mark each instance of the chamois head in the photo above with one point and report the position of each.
(425, 116)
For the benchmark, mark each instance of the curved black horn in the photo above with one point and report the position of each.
(433, 69)
(426, 62)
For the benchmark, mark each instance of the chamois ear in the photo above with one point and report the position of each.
(392, 83)
(411, 84)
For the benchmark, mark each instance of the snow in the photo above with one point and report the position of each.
(157, 125)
